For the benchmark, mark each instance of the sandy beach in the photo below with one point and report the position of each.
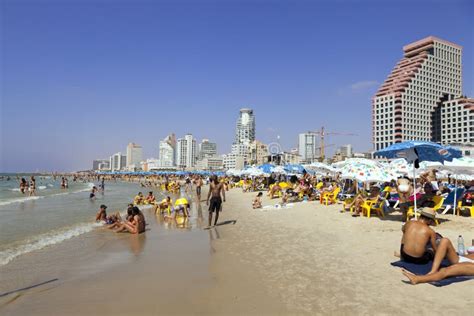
(305, 260)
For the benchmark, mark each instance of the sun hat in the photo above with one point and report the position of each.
(428, 212)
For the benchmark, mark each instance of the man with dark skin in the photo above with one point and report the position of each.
(215, 191)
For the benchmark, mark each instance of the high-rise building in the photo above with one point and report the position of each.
(308, 147)
(258, 153)
(207, 149)
(134, 155)
(245, 129)
(186, 152)
(345, 151)
(117, 161)
(233, 161)
(98, 163)
(405, 106)
(167, 153)
(456, 122)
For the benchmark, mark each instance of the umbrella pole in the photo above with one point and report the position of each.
(414, 191)
(455, 191)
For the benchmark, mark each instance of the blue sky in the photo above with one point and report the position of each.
(81, 79)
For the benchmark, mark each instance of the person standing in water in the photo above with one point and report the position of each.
(23, 185)
(32, 186)
(198, 182)
(215, 191)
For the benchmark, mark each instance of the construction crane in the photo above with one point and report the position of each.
(322, 133)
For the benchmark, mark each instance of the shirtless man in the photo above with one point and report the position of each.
(198, 182)
(215, 190)
(417, 239)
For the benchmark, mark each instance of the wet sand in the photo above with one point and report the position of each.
(306, 260)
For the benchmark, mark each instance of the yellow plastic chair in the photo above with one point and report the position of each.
(319, 185)
(464, 207)
(331, 197)
(373, 205)
(348, 201)
(438, 203)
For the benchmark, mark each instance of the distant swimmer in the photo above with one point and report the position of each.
(63, 183)
(93, 192)
(66, 183)
(216, 189)
(23, 185)
(32, 186)
(102, 184)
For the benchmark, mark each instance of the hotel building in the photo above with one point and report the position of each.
(408, 105)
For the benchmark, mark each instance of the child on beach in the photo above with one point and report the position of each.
(257, 201)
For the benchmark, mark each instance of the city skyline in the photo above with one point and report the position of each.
(294, 65)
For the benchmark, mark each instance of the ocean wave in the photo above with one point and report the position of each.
(41, 241)
(21, 200)
(42, 187)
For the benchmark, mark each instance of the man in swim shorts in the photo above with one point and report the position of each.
(215, 190)
(198, 182)
(419, 241)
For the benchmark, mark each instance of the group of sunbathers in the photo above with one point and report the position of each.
(421, 244)
(133, 223)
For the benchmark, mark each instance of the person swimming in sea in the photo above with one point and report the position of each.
(93, 192)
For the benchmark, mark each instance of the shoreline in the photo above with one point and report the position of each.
(309, 259)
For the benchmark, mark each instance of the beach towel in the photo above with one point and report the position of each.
(421, 269)
(276, 207)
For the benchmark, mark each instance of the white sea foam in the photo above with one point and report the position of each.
(40, 241)
(21, 200)
(42, 187)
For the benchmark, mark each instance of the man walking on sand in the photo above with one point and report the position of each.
(215, 190)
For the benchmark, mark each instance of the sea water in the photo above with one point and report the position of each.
(30, 223)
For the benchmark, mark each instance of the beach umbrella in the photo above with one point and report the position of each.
(294, 168)
(280, 170)
(365, 171)
(320, 167)
(253, 172)
(266, 168)
(418, 151)
(460, 169)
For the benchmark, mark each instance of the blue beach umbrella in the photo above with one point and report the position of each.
(416, 151)
(266, 168)
(294, 168)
